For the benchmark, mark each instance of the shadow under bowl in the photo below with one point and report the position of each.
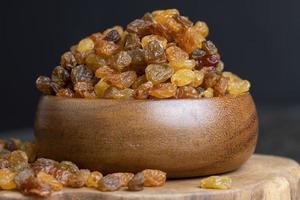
(185, 138)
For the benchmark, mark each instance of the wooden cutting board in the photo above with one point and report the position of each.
(261, 178)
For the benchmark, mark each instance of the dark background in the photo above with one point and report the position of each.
(258, 40)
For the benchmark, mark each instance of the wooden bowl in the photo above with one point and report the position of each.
(185, 138)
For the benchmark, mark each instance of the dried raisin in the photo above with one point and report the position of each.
(154, 178)
(109, 183)
(137, 182)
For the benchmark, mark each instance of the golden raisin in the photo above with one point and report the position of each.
(100, 88)
(7, 179)
(182, 64)
(183, 77)
(220, 87)
(208, 93)
(187, 92)
(121, 81)
(142, 92)
(65, 93)
(93, 179)
(216, 182)
(198, 80)
(166, 19)
(106, 48)
(145, 40)
(18, 160)
(104, 71)
(191, 40)
(235, 84)
(176, 54)
(94, 61)
(30, 149)
(83, 88)
(161, 55)
(154, 178)
(202, 28)
(86, 44)
(114, 93)
(140, 80)
(163, 90)
(158, 73)
(50, 180)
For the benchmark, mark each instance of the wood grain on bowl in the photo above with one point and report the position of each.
(184, 138)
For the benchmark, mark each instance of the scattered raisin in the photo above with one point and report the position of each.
(137, 182)
(154, 178)
(93, 179)
(10, 145)
(216, 182)
(7, 179)
(50, 180)
(30, 149)
(109, 183)
(77, 179)
(18, 160)
(125, 177)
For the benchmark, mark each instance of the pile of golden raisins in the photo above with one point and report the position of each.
(163, 55)
(20, 170)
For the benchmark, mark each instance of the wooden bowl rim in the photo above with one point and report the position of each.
(228, 96)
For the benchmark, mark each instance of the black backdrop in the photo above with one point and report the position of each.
(258, 39)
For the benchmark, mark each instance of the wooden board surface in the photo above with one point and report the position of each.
(261, 178)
